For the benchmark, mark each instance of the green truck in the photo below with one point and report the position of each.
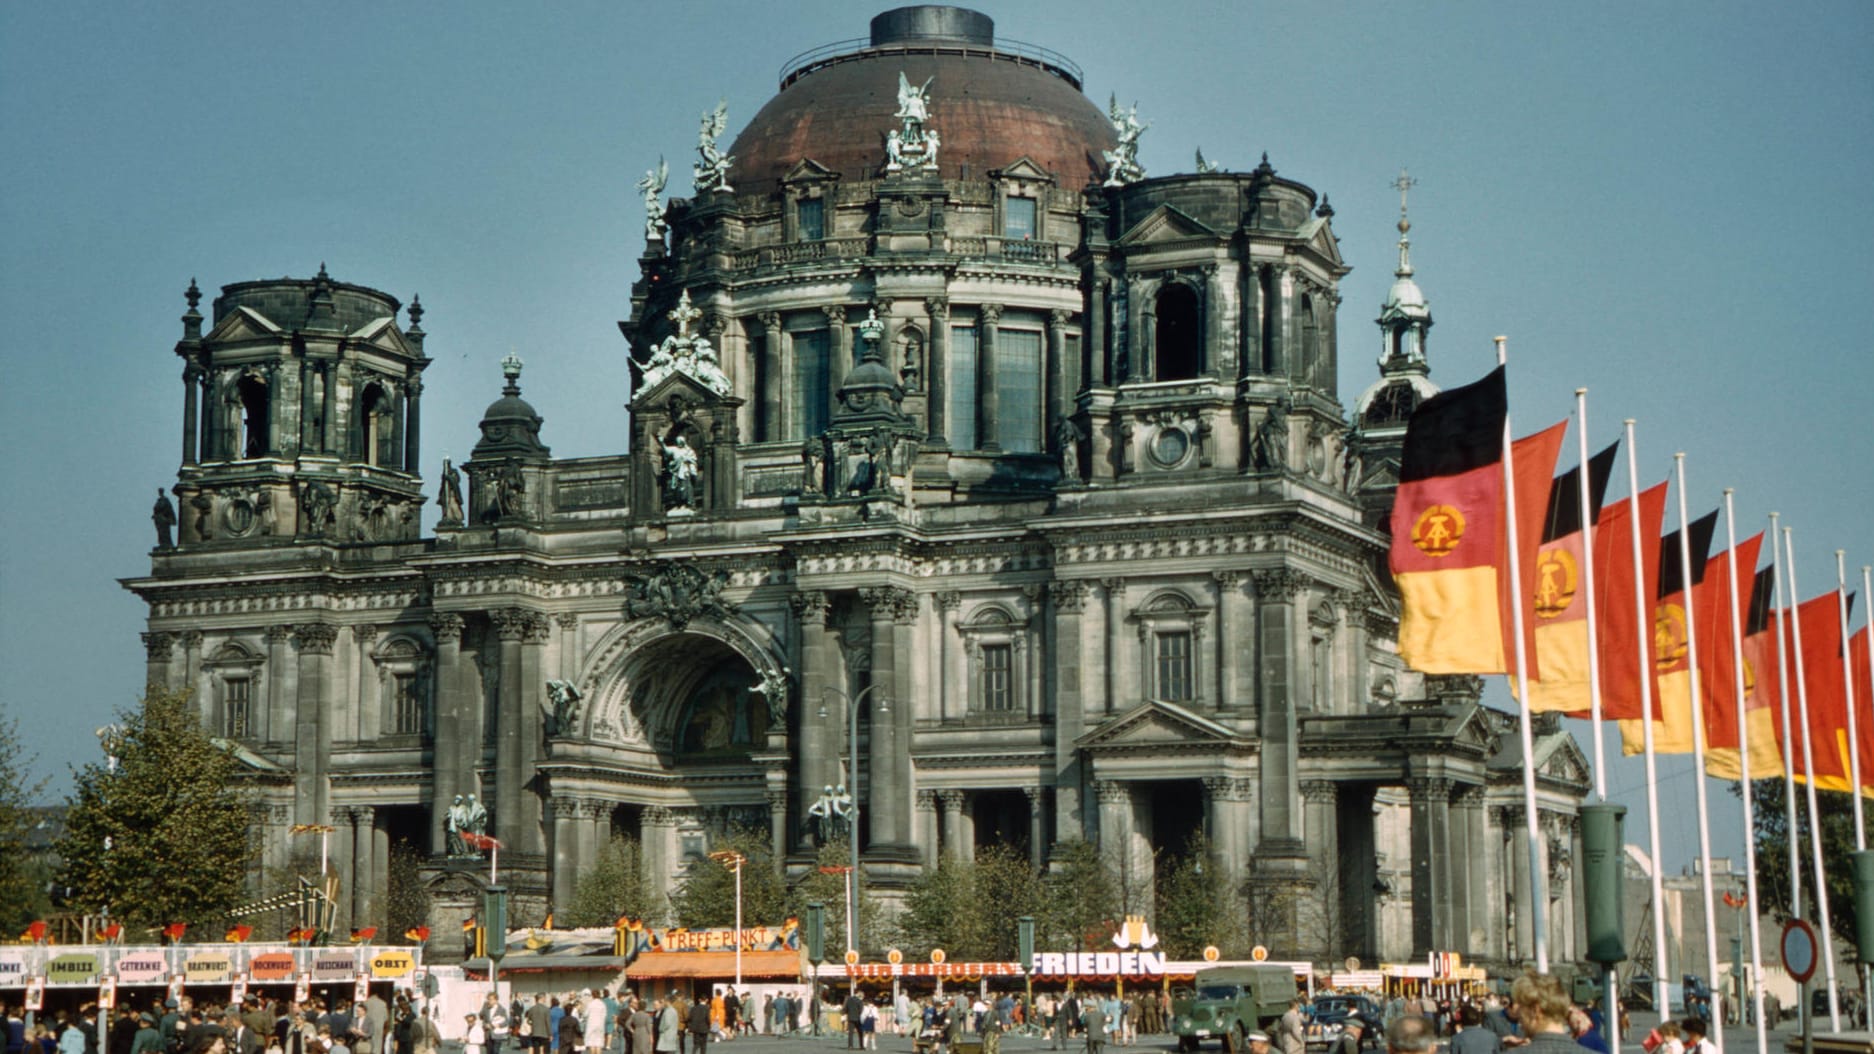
(1230, 1002)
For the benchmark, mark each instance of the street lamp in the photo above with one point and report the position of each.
(852, 789)
(733, 860)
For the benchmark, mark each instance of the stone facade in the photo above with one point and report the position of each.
(1051, 479)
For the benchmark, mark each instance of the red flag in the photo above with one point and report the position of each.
(35, 932)
(362, 934)
(1450, 551)
(1858, 656)
(111, 932)
(479, 841)
(419, 934)
(1717, 653)
(238, 934)
(1672, 643)
(1828, 702)
(1614, 576)
(301, 936)
(1762, 729)
(174, 931)
(1557, 608)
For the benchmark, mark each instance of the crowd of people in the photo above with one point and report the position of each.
(179, 1025)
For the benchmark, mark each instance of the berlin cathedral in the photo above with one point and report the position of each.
(941, 409)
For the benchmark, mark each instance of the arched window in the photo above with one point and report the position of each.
(254, 417)
(1309, 341)
(374, 413)
(1178, 343)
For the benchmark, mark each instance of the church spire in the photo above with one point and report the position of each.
(1404, 184)
(1405, 316)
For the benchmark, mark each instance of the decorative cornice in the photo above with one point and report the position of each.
(810, 608)
(990, 313)
(1069, 596)
(446, 627)
(1280, 586)
(1320, 792)
(937, 308)
(278, 633)
(510, 623)
(159, 646)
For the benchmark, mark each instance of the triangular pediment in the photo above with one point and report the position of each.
(1318, 236)
(679, 385)
(1165, 223)
(244, 323)
(1156, 723)
(1559, 758)
(1024, 168)
(807, 170)
(382, 333)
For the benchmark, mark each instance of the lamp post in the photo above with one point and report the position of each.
(733, 860)
(852, 740)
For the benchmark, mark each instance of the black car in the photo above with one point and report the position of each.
(1329, 1011)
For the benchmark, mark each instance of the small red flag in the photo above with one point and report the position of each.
(239, 934)
(362, 934)
(479, 841)
(175, 930)
(111, 932)
(35, 932)
(418, 934)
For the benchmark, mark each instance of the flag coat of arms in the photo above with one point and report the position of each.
(1557, 598)
(1614, 583)
(1760, 691)
(1672, 637)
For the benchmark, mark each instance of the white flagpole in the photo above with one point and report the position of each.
(1847, 680)
(1743, 761)
(1587, 591)
(1785, 700)
(1662, 1002)
(1609, 980)
(1698, 742)
(1808, 768)
(1538, 895)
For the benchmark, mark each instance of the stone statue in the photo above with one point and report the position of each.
(1204, 167)
(1352, 462)
(562, 709)
(1269, 447)
(449, 496)
(164, 516)
(912, 360)
(510, 488)
(913, 103)
(474, 817)
(894, 150)
(862, 469)
(456, 817)
(812, 463)
(831, 813)
(1122, 161)
(931, 143)
(651, 186)
(712, 172)
(773, 687)
(684, 353)
(317, 502)
(912, 145)
(679, 473)
(1067, 436)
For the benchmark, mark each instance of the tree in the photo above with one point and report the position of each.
(1195, 904)
(164, 837)
(406, 898)
(705, 896)
(616, 886)
(22, 889)
(1772, 827)
(971, 908)
(1079, 898)
(826, 883)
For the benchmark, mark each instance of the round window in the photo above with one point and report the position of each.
(1170, 446)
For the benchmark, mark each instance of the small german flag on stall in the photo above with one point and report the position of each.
(174, 931)
(238, 934)
(1450, 528)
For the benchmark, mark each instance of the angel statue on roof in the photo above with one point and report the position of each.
(712, 172)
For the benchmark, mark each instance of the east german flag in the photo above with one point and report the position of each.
(1450, 547)
(1615, 580)
(1715, 650)
(1558, 604)
(1863, 684)
(1828, 697)
(1760, 693)
(1672, 664)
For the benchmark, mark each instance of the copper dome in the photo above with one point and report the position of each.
(992, 103)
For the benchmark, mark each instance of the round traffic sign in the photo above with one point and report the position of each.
(852, 957)
(1259, 953)
(1799, 956)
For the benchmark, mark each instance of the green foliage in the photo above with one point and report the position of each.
(406, 898)
(705, 896)
(22, 882)
(1195, 905)
(829, 888)
(1079, 898)
(616, 885)
(970, 908)
(177, 828)
(1772, 828)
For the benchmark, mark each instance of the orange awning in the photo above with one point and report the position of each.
(767, 964)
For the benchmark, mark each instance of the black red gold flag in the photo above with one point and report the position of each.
(1558, 603)
(1828, 697)
(1614, 585)
(1672, 666)
(1760, 692)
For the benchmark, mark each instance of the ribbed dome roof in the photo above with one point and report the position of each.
(991, 104)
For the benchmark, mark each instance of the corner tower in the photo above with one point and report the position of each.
(301, 415)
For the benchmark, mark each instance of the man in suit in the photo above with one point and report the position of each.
(241, 1039)
(1093, 1019)
(699, 1027)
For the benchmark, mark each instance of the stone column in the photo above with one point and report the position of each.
(412, 426)
(658, 830)
(1037, 827)
(937, 368)
(1350, 650)
(510, 728)
(276, 709)
(1276, 592)
(1115, 800)
(312, 738)
(989, 316)
(952, 803)
(777, 823)
(367, 723)
(158, 648)
(1431, 862)
(952, 686)
(904, 620)
(446, 783)
(337, 382)
(772, 384)
(1516, 883)
(1070, 599)
(839, 356)
(1236, 643)
(363, 877)
(1321, 814)
(566, 856)
(880, 791)
(344, 838)
(533, 729)
(819, 671)
(1098, 353)
(192, 667)
(1221, 357)
(1577, 892)
(1116, 693)
(191, 423)
(928, 836)
(1063, 377)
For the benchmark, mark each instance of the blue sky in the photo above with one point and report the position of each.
(1666, 203)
